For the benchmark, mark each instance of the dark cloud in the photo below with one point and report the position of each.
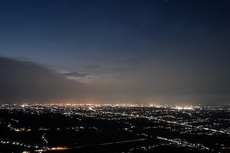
(76, 74)
(92, 66)
(23, 81)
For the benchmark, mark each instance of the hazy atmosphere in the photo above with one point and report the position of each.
(115, 51)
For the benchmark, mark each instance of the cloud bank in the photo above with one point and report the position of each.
(23, 81)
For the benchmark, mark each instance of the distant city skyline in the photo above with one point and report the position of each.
(123, 51)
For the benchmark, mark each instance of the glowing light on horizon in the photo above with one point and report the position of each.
(188, 108)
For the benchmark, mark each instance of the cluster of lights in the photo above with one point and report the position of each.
(194, 124)
(184, 143)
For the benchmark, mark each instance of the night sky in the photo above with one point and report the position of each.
(115, 51)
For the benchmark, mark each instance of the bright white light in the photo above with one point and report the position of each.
(187, 107)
